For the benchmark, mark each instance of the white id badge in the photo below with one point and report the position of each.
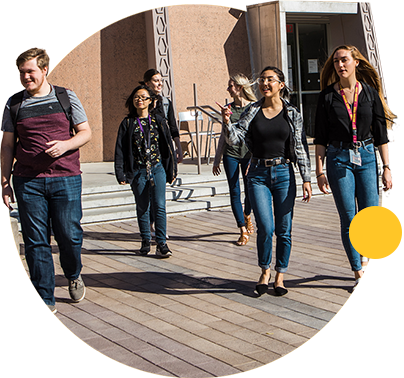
(355, 157)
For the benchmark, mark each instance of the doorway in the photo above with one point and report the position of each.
(307, 53)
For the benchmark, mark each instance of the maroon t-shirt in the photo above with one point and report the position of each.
(37, 125)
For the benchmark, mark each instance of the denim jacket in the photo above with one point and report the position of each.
(299, 151)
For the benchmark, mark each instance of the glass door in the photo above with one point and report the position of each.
(307, 52)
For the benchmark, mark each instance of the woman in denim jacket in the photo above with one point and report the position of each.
(272, 129)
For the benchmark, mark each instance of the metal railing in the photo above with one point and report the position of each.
(202, 109)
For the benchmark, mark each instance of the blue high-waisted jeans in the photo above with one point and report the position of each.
(275, 186)
(350, 183)
(142, 191)
(43, 203)
(232, 167)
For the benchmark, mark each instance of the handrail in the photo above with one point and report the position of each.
(201, 108)
(198, 147)
(196, 107)
(213, 109)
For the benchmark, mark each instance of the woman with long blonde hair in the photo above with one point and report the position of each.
(237, 157)
(352, 118)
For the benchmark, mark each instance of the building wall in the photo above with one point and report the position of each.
(103, 70)
(208, 44)
(80, 71)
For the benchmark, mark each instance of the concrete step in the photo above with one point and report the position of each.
(193, 193)
(109, 196)
(128, 211)
(183, 180)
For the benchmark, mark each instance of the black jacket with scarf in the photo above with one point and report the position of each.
(124, 161)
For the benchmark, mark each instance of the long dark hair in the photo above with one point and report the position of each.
(149, 74)
(285, 90)
(129, 101)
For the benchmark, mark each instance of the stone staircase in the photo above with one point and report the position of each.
(188, 193)
(105, 201)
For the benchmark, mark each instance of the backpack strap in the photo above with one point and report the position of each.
(61, 95)
(64, 101)
(15, 104)
(166, 105)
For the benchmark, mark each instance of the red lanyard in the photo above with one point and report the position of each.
(352, 112)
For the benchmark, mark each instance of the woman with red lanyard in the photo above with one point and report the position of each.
(351, 119)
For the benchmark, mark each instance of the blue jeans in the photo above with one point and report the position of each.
(45, 203)
(275, 186)
(145, 193)
(350, 183)
(231, 166)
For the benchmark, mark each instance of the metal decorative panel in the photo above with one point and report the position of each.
(370, 39)
(163, 55)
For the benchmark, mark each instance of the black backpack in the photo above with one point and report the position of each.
(61, 95)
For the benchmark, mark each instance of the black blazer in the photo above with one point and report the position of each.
(124, 162)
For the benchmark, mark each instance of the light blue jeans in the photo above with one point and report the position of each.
(275, 186)
(354, 188)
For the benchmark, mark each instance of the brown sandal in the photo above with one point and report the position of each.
(248, 224)
(243, 239)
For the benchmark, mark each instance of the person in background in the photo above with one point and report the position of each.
(237, 157)
(273, 131)
(350, 121)
(145, 159)
(164, 108)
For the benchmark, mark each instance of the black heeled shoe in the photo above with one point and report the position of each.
(280, 291)
(261, 289)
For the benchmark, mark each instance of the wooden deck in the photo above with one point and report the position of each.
(196, 314)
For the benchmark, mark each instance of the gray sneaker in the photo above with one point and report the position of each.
(162, 250)
(77, 289)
